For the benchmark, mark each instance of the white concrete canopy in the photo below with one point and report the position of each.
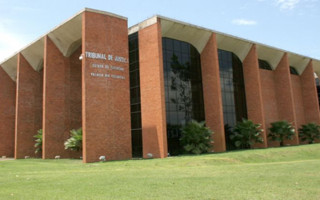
(235, 45)
(194, 35)
(34, 54)
(67, 37)
(142, 25)
(316, 66)
(199, 36)
(298, 62)
(10, 66)
(271, 55)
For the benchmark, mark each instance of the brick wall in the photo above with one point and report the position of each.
(105, 100)
(253, 91)
(310, 95)
(7, 114)
(285, 96)
(62, 100)
(212, 93)
(28, 108)
(298, 100)
(269, 99)
(153, 116)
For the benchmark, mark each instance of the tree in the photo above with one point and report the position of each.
(181, 83)
(75, 141)
(309, 132)
(246, 134)
(280, 131)
(38, 141)
(196, 137)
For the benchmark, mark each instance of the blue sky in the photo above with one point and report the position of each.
(292, 25)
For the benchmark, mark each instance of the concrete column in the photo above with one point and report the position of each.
(7, 114)
(254, 92)
(310, 95)
(212, 93)
(57, 96)
(105, 89)
(28, 108)
(153, 109)
(284, 91)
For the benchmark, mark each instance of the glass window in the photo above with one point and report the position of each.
(264, 65)
(293, 71)
(183, 88)
(136, 138)
(136, 131)
(318, 87)
(232, 91)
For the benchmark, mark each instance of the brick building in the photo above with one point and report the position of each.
(132, 90)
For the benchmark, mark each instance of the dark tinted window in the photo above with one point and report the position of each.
(264, 65)
(232, 91)
(318, 89)
(136, 132)
(183, 88)
(293, 71)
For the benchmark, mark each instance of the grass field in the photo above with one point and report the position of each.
(274, 173)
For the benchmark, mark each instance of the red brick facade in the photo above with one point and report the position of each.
(91, 89)
(153, 116)
(212, 93)
(105, 100)
(285, 96)
(253, 91)
(269, 99)
(61, 100)
(28, 108)
(7, 114)
(298, 102)
(309, 95)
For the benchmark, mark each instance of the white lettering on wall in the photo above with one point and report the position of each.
(121, 59)
(95, 55)
(103, 56)
(96, 74)
(106, 66)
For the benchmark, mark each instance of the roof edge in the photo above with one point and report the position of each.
(62, 23)
(223, 34)
(103, 12)
(144, 24)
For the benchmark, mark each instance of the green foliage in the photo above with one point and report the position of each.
(75, 141)
(196, 137)
(246, 134)
(309, 132)
(38, 140)
(228, 132)
(280, 131)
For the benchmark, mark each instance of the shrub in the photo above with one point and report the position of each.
(309, 132)
(246, 134)
(196, 137)
(228, 130)
(280, 131)
(38, 140)
(75, 141)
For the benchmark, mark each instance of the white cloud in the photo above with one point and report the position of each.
(10, 42)
(244, 22)
(287, 4)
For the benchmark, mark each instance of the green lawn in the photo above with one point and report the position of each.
(274, 173)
